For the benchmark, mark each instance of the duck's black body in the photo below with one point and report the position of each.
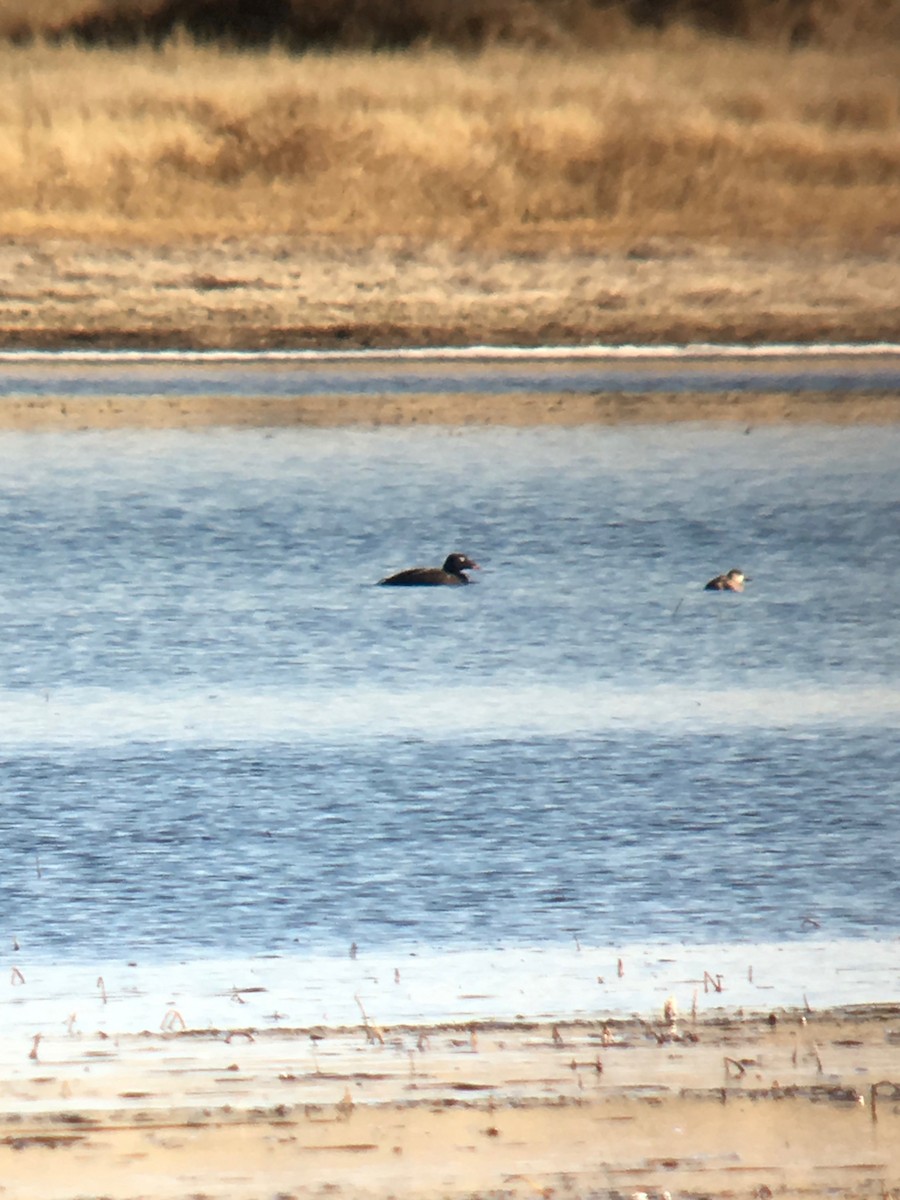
(451, 574)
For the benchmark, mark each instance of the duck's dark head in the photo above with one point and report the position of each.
(456, 564)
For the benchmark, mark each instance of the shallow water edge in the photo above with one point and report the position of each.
(521, 410)
(418, 985)
(472, 385)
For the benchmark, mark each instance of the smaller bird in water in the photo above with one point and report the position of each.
(732, 582)
(452, 573)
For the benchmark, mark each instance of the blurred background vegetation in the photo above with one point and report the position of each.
(515, 125)
(465, 25)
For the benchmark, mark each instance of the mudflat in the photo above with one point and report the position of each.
(723, 1105)
(285, 294)
(281, 293)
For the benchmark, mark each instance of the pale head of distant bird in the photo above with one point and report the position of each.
(733, 581)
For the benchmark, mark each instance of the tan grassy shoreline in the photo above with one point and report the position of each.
(524, 410)
(676, 189)
(284, 294)
(279, 293)
(723, 1106)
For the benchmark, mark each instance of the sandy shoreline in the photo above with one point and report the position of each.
(281, 293)
(523, 410)
(720, 1105)
(554, 1071)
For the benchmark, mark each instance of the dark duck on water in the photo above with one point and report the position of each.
(451, 574)
(733, 581)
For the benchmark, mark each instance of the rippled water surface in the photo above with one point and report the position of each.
(219, 736)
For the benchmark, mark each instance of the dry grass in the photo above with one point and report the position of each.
(680, 137)
(297, 292)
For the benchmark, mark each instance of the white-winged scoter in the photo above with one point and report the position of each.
(453, 572)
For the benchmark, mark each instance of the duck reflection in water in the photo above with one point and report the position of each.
(451, 574)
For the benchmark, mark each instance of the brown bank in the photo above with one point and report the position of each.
(286, 293)
(724, 1106)
(283, 293)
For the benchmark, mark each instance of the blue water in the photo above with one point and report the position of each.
(217, 735)
(130, 374)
